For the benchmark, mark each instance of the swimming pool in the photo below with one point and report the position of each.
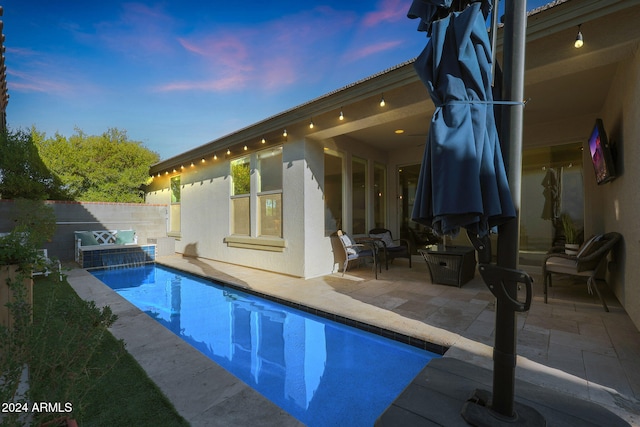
(321, 372)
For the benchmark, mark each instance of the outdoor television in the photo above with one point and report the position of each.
(601, 155)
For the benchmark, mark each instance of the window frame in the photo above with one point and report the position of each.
(255, 219)
(175, 207)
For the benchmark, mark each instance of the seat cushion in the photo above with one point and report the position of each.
(564, 266)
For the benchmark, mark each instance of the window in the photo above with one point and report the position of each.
(552, 184)
(359, 195)
(174, 210)
(332, 192)
(265, 187)
(379, 195)
(240, 193)
(270, 192)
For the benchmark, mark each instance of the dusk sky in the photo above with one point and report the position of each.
(178, 74)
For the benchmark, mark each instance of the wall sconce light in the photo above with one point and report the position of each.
(166, 172)
(228, 151)
(174, 170)
(311, 124)
(263, 140)
(181, 167)
(382, 103)
(341, 117)
(158, 174)
(215, 156)
(579, 39)
(284, 133)
(192, 165)
(245, 148)
(202, 161)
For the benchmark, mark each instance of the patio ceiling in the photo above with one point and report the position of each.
(566, 87)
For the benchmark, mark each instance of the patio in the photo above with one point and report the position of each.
(569, 345)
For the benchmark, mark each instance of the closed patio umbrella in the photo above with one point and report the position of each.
(462, 181)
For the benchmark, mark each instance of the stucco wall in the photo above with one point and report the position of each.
(147, 220)
(615, 206)
(205, 212)
(205, 208)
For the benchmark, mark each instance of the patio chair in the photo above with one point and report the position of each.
(44, 265)
(591, 256)
(356, 251)
(391, 248)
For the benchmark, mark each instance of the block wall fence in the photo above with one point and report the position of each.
(148, 220)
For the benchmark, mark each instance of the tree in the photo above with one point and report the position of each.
(108, 168)
(22, 173)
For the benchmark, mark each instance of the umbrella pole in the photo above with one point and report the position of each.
(499, 408)
(508, 245)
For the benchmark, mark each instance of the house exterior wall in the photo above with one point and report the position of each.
(206, 213)
(614, 206)
(308, 252)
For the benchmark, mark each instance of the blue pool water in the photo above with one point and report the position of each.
(322, 372)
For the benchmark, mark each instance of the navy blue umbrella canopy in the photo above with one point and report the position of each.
(462, 180)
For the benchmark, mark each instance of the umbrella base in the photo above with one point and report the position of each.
(477, 412)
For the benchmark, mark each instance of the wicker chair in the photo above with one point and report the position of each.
(356, 251)
(391, 248)
(590, 258)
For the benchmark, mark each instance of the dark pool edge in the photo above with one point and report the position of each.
(383, 332)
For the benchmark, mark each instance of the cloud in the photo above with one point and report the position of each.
(139, 32)
(274, 55)
(214, 85)
(388, 11)
(365, 51)
(33, 71)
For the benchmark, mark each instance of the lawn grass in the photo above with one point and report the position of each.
(107, 386)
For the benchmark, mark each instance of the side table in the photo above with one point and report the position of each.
(450, 265)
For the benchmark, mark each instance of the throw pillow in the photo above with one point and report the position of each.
(125, 237)
(386, 238)
(589, 246)
(87, 238)
(348, 244)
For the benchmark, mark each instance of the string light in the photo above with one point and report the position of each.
(579, 39)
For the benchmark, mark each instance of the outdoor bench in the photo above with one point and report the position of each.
(108, 248)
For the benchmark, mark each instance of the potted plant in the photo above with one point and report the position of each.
(571, 243)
